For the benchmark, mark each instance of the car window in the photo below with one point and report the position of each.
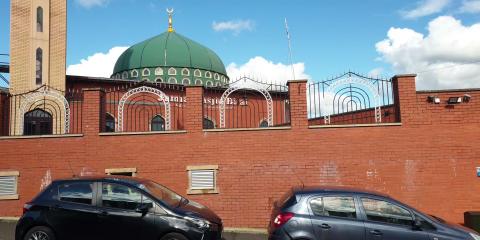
(424, 223)
(79, 192)
(383, 211)
(334, 207)
(120, 196)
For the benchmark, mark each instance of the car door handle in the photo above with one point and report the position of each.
(376, 232)
(325, 226)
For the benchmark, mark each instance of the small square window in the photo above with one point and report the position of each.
(9, 185)
(202, 179)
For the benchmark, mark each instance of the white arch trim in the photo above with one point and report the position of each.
(42, 93)
(162, 97)
(353, 80)
(232, 89)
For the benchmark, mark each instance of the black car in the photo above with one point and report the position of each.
(333, 213)
(114, 207)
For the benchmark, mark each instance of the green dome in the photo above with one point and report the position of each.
(169, 49)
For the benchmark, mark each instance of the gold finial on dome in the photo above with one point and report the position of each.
(170, 14)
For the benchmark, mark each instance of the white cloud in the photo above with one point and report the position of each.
(98, 64)
(235, 26)
(376, 72)
(92, 3)
(470, 6)
(264, 70)
(425, 8)
(448, 57)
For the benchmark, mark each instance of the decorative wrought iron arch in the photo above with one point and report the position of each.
(232, 89)
(44, 92)
(355, 80)
(143, 89)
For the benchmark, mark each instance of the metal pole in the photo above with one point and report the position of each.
(290, 48)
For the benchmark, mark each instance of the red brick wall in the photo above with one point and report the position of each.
(364, 116)
(429, 162)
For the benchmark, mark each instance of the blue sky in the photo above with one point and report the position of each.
(328, 36)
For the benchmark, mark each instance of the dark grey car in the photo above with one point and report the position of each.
(333, 213)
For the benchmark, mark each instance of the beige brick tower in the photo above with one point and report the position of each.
(38, 44)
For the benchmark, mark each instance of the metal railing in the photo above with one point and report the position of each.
(351, 99)
(143, 107)
(246, 103)
(44, 111)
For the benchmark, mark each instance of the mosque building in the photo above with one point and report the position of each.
(169, 112)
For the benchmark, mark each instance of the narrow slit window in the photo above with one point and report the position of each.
(38, 69)
(39, 19)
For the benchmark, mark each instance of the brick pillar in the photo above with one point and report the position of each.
(92, 117)
(297, 90)
(3, 116)
(405, 98)
(194, 109)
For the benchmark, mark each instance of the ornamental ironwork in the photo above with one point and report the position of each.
(41, 94)
(162, 97)
(352, 79)
(253, 87)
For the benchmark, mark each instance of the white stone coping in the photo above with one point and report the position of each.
(141, 133)
(41, 136)
(356, 125)
(246, 129)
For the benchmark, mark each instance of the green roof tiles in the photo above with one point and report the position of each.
(169, 49)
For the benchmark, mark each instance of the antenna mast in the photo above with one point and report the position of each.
(290, 49)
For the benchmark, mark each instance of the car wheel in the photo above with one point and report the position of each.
(39, 233)
(174, 236)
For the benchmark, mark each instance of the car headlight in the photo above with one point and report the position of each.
(475, 236)
(201, 223)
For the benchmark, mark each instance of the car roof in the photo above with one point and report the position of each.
(113, 178)
(308, 190)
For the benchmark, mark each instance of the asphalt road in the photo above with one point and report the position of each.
(7, 232)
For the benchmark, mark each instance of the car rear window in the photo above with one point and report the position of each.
(76, 192)
(334, 206)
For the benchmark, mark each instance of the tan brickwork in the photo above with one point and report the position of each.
(25, 40)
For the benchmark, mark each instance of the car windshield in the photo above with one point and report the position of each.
(164, 194)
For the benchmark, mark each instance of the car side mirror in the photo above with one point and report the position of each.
(417, 224)
(144, 207)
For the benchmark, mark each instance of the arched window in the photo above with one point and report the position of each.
(134, 73)
(208, 74)
(216, 76)
(109, 123)
(209, 83)
(39, 19)
(263, 124)
(124, 75)
(172, 71)
(159, 79)
(37, 122)
(158, 71)
(172, 80)
(185, 72)
(197, 73)
(146, 72)
(157, 124)
(186, 81)
(39, 66)
(198, 82)
(208, 124)
(218, 84)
